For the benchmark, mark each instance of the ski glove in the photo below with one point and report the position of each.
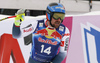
(19, 17)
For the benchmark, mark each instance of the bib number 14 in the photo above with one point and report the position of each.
(47, 50)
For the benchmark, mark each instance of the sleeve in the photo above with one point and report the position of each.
(63, 48)
(16, 32)
(25, 30)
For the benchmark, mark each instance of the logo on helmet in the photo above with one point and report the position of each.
(60, 8)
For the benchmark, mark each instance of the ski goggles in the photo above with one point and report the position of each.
(56, 16)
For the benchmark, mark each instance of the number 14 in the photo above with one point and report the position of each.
(47, 50)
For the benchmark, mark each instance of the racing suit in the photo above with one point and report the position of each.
(48, 44)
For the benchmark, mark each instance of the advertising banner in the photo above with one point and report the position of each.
(85, 40)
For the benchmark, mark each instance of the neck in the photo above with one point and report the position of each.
(48, 23)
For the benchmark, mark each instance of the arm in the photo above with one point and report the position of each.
(16, 32)
(24, 31)
(63, 48)
(23, 28)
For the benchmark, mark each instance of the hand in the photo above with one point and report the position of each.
(19, 17)
(20, 11)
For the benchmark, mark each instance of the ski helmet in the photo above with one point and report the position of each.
(54, 8)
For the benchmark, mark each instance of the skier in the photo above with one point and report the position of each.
(46, 36)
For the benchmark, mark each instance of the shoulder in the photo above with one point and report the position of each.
(62, 29)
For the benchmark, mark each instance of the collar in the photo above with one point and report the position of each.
(51, 28)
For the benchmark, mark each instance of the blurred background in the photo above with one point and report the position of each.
(38, 7)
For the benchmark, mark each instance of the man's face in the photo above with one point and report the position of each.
(55, 23)
(56, 19)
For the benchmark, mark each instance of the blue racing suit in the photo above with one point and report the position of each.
(48, 44)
